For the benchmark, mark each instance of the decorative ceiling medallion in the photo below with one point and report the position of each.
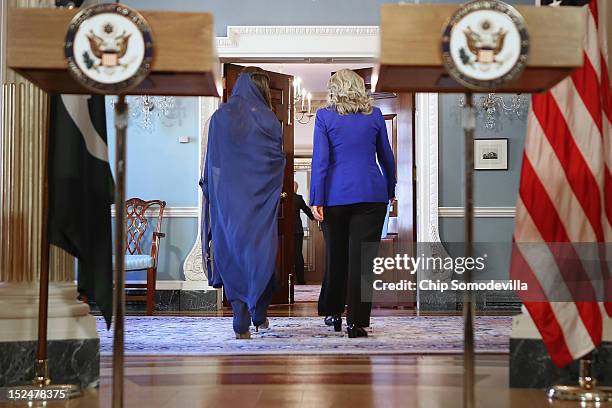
(109, 48)
(485, 44)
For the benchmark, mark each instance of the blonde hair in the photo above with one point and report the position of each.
(347, 93)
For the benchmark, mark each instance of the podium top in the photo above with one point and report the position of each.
(184, 61)
(411, 56)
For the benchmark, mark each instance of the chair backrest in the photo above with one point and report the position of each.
(137, 222)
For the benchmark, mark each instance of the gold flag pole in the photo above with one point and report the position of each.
(469, 124)
(41, 366)
(121, 123)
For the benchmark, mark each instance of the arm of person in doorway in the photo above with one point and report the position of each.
(301, 204)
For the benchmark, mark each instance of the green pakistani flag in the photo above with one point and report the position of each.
(81, 192)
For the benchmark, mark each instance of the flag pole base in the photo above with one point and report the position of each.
(42, 381)
(578, 393)
(586, 390)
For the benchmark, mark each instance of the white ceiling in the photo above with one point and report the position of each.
(314, 76)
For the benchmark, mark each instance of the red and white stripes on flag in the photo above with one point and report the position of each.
(565, 196)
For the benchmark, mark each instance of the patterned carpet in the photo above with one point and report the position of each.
(306, 335)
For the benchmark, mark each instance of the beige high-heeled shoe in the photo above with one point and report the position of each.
(265, 325)
(243, 336)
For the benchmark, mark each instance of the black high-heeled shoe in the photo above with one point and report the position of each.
(355, 331)
(335, 321)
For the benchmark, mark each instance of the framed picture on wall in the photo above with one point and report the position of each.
(490, 154)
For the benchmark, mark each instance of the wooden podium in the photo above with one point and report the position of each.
(411, 60)
(183, 63)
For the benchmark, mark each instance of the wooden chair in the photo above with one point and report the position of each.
(137, 225)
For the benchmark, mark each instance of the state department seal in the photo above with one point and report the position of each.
(485, 44)
(109, 48)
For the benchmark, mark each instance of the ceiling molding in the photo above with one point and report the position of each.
(328, 43)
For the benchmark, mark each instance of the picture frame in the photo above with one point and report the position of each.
(491, 154)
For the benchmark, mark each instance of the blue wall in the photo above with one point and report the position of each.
(498, 188)
(493, 188)
(159, 167)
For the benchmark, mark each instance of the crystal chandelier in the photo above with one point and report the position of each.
(513, 106)
(146, 109)
(302, 98)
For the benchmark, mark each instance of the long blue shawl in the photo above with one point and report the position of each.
(241, 187)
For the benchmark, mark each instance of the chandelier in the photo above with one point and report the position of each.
(146, 109)
(513, 106)
(302, 98)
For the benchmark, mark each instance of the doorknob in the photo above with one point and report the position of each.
(283, 195)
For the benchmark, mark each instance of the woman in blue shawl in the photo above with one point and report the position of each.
(242, 182)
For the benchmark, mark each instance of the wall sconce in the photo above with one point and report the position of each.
(303, 98)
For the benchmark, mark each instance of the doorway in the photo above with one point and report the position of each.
(398, 111)
(312, 45)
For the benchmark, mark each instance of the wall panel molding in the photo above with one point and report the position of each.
(427, 166)
(170, 212)
(479, 212)
(442, 212)
(192, 266)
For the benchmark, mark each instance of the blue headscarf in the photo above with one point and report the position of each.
(241, 186)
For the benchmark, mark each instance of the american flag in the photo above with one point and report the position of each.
(565, 196)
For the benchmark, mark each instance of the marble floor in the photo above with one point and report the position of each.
(308, 381)
(320, 381)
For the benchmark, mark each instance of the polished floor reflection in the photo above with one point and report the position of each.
(301, 381)
(353, 381)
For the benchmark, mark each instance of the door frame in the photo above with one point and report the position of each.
(248, 44)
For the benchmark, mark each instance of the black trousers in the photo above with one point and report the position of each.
(299, 259)
(348, 263)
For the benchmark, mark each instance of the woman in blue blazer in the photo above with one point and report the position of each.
(350, 191)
